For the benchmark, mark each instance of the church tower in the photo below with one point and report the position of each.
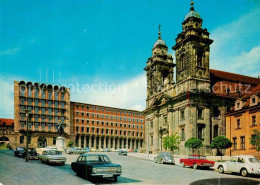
(192, 50)
(159, 70)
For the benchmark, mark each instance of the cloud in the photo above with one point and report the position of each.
(6, 98)
(236, 45)
(10, 51)
(130, 94)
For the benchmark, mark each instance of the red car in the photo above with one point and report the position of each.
(197, 161)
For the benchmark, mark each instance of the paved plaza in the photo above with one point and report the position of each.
(137, 169)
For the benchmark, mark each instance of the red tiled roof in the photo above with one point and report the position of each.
(254, 91)
(6, 121)
(234, 77)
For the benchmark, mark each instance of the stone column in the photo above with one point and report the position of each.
(90, 141)
(105, 142)
(170, 120)
(156, 133)
(207, 129)
(193, 121)
(95, 142)
(118, 142)
(99, 142)
(131, 144)
(109, 142)
(114, 143)
(79, 141)
(85, 141)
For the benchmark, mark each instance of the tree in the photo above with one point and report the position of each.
(171, 142)
(193, 143)
(70, 143)
(221, 142)
(255, 139)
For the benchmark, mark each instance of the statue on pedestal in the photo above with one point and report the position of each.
(60, 142)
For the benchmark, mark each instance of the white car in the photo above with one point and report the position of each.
(52, 156)
(241, 164)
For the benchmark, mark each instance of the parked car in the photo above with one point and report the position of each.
(50, 148)
(196, 161)
(96, 165)
(122, 152)
(32, 154)
(52, 156)
(107, 150)
(87, 149)
(164, 157)
(75, 150)
(19, 151)
(241, 164)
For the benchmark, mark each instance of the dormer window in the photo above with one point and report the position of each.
(238, 105)
(253, 100)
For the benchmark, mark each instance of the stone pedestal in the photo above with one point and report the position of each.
(60, 143)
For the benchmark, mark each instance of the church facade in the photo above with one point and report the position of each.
(194, 105)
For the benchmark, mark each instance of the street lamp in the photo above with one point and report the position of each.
(27, 113)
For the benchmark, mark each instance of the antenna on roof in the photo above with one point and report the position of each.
(53, 76)
(40, 75)
(46, 75)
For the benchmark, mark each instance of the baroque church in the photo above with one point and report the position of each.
(194, 105)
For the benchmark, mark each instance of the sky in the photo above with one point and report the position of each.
(98, 48)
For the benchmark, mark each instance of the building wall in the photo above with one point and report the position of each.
(89, 121)
(244, 130)
(48, 105)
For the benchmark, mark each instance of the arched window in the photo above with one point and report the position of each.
(182, 62)
(215, 131)
(199, 58)
(216, 112)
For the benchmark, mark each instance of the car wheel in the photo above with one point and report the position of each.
(182, 164)
(63, 163)
(115, 179)
(47, 162)
(195, 166)
(221, 169)
(244, 172)
(42, 161)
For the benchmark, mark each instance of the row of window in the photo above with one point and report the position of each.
(42, 118)
(50, 126)
(49, 103)
(41, 93)
(109, 124)
(109, 110)
(108, 131)
(253, 122)
(108, 117)
(43, 110)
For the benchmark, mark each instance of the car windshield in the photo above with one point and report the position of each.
(53, 152)
(167, 153)
(95, 159)
(254, 160)
(20, 148)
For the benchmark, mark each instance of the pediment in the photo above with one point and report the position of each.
(160, 99)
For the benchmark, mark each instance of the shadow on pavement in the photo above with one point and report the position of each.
(226, 181)
(120, 180)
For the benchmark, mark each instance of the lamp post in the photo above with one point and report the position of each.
(27, 113)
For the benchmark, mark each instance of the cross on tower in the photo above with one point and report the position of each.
(159, 31)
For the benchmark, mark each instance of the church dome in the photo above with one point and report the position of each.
(159, 42)
(192, 13)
